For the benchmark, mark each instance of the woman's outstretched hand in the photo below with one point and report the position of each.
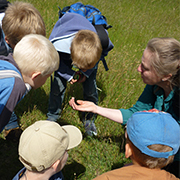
(82, 105)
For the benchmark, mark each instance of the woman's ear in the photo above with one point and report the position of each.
(167, 77)
(128, 151)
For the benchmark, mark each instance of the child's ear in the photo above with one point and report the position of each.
(9, 43)
(6, 39)
(35, 75)
(128, 151)
(56, 164)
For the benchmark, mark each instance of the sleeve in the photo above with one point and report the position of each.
(145, 102)
(17, 93)
(65, 66)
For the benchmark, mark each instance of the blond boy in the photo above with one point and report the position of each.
(43, 150)
(35, 59)
(80, 50)
(20, 19)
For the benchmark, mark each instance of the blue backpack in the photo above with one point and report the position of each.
(95, 17)
(88, 11)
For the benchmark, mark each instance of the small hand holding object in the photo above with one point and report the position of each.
(72, 81)
(79, 77)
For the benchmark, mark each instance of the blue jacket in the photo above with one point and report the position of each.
(12, 90)
(57, 176)
(61, 37)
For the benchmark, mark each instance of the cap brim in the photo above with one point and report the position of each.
(75, 136)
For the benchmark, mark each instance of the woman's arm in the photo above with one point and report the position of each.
(112, 114)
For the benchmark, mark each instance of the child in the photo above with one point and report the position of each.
(153, 138)
(79, 48)
(35, 59)
(20, 19)
(43, 150)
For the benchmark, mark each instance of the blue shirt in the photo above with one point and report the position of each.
(57, 176)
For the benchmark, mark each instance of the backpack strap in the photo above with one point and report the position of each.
(11, 73)
(4, 48)
(103, 36)
(3, 5)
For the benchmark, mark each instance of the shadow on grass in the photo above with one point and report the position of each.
(73, 171)
(37, 98)
(9, 162)
(76, 91)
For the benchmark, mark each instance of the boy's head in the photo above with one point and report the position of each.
(36, 58)
(86, 49)
(20, 19)
(153, 137)
(45, 142)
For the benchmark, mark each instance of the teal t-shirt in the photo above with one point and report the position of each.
(153, 97)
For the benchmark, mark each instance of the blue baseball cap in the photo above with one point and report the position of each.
(148, 128)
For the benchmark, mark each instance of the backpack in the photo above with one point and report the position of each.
(95, 17)
(91, 13)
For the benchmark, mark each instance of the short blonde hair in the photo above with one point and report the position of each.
(86, 49)
(165, 57)
(20, 19)
(150, 162)
(35, 53)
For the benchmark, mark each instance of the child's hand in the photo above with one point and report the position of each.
(82, 79)
(79, 77)
(72, 81)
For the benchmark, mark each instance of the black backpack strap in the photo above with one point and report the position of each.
(3, 5)
(103, 36)
(4, 48)
(61, 12)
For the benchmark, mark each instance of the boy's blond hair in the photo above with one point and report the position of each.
(148, 161)
(35, 53)
(86, 49)
(20, 19)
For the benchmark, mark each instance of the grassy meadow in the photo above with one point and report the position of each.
(134, 23)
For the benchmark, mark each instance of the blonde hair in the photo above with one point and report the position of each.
(35, 53)
(151, 162)
(20, 19)
(165, 57)
(86, 49)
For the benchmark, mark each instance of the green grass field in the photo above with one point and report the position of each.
(134, 23)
